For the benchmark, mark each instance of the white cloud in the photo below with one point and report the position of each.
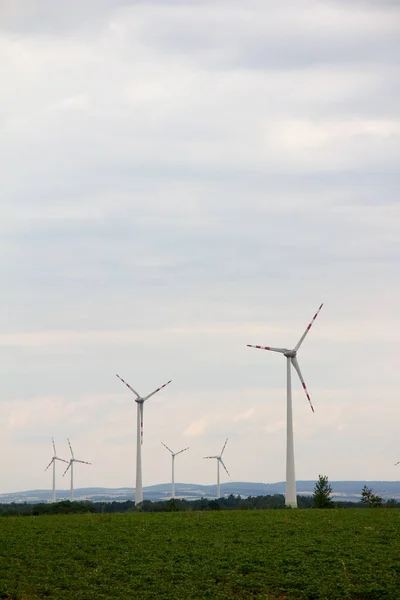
(196, 428)
(244, 416)
(179, 180)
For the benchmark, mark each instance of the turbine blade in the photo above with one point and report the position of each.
(69, 464)
(157, 390)
(180, 451)
(50, 463)
(165, 446)
(281, 350)
(141, 422)
(57, 458)
(297, 367)
(223, 464)
(54, 447)
(299, 343)
(210, 456)
(128, 386)
(85, 462)
(222, 451)
(69, 444)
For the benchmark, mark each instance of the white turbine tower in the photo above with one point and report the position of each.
(173, 454)
(53, 462)
(291, 359)
(139, 441)
(219, 460)
(71, 462)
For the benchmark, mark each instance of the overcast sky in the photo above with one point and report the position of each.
(180, 179)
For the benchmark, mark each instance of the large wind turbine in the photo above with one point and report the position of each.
(173, 454)
(53, 462)
(71, 462)
(139, 442)
(219, 460)
(291, 359)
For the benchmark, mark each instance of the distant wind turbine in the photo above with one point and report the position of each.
(219, 460)
(173, 454)
(291, 359)
(53, 462)
(71, 462)
(139, 441)
(398, 463)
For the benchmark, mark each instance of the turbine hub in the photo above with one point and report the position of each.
(290, 354)
(139, 400)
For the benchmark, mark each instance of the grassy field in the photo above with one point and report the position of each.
(218, 555)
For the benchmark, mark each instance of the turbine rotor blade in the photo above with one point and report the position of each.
(69, 464)
(222, 451)
(281, 350)
(85, 462)
(50, 463)
(69, 444)
(223, 464)
(54, 447)
(157, 390)
(211, 457)
(128, 386)
(141, 422)
(165, 446)
(180, 451)
(62, 460)
(297, 367)
(299, 343)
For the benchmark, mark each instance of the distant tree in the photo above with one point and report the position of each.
(322, 493)
(368, 498)
(392, 503)
(214, 505)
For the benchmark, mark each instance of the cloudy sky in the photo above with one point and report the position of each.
(181, 178)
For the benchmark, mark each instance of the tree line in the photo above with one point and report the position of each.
(321, 498)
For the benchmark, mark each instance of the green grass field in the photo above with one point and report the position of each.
(218, 555)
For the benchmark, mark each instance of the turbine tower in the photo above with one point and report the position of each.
(173, 454)
(139, 441)
(291, 359)
(219, 460)
(71, 462)
(53, 462)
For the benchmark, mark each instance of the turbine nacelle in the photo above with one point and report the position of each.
(290, 354)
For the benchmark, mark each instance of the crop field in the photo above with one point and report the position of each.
(274, 554)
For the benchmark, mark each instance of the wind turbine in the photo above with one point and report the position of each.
(139, 441)
(291, 359)
(173, 454)
(219, 460)
(53, 462)
(71, 462)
